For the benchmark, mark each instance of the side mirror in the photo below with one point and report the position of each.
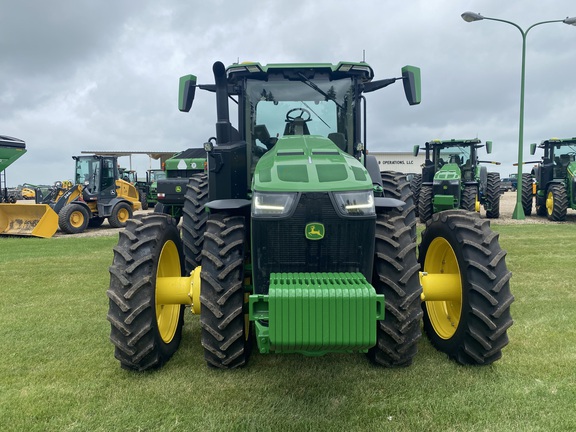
(412, 84)
(186, 91)
(532, 148)
(488, 147)
(416, 150)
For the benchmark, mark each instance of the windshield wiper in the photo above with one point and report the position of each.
(318, 89)
(315, 113)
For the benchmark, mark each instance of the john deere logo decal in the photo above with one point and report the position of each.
(178, 189)
(314, 231)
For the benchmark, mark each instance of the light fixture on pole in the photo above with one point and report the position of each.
(471, 17)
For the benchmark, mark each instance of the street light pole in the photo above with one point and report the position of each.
(471, 17)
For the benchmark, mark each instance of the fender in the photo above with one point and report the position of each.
(105, 209)
(387, 203)
(228, 204)
(373, 170)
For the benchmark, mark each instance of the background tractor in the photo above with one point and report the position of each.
(149, 188)
(298, 244)
(97, 194)
(555, 177)
(170, 190)
(452, 178)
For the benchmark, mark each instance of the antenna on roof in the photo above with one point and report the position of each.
(363, 56)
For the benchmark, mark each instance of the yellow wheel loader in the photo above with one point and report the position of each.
(98, 193)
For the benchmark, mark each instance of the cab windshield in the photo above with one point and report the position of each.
(325, 106)
(459, 155)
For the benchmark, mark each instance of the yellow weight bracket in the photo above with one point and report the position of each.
(180, 290)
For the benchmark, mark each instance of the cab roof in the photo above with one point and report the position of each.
(340, 70)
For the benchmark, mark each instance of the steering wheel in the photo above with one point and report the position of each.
(291, 118)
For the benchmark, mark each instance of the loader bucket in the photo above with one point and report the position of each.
(37, 220)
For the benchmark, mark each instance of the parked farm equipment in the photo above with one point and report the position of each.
(97, 194)
(453, 178)
(297, 243)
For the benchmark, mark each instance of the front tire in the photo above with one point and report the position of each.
(73, 218)
(396, 276)
(527, 196)
(396, 185)
(223, 316)
(470, 326)
(469, 197)
(415, 186)
(194, 220)
(145, 334)
(493, 195)
(425, 206)
(143, 199)
(556, 202)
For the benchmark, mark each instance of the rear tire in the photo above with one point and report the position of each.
(223, 316)
(493, 195)
(73, 218)
(120, 215)
(96, 222)
(396, 276)
(471, 328)
(194, 220)
(145, 334)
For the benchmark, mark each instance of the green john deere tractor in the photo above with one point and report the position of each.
(452, 178)
(170, 189)
(555, 177)
(300, 244)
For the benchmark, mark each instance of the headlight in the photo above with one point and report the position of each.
(355, 203)
(265, 204)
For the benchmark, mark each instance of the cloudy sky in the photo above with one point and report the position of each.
(103, 75)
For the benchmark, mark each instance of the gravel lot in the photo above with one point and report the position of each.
(507, 204)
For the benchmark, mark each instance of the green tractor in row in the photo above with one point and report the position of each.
(555, 177)
(171, 188)
(452, 178)
(297, 243)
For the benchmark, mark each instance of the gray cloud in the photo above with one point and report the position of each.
(89, 75)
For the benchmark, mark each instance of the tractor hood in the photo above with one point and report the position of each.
(449, 171)
(309, 163)
(572, 169)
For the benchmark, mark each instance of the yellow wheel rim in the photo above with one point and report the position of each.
(76, 219)
(550, 203)
(444, 314)
(167, 315)
(123, 215)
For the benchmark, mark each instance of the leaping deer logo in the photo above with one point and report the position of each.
(314, 231)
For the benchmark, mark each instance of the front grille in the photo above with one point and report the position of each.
(445, 188)
(280, 246)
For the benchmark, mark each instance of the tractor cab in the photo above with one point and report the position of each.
(303, 112)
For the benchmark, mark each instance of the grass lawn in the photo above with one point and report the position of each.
(58, 372)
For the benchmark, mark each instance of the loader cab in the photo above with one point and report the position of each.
(98, 176)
